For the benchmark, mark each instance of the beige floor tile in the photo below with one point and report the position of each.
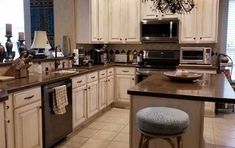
(120, 121)
(225, 141)
(126, 129)
(76, 141)
(91, 143)
(104, 135)
(87, 132)
(113, 127)
(105, 119)
(97, 125)
(122, 137)
(114, 144)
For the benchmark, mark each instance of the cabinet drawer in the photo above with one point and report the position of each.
(78, 81)
(102, 74)
(125, 70)
(110, 71)
(92, 77)
(26, 96)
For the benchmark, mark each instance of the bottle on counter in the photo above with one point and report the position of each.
(140, 57)
(130, 57)
(135, 54)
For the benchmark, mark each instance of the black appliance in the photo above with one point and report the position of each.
(157, 60)
(97, 55)
(55, 127)
(166, 30)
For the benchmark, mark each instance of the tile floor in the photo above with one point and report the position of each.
(111, 130)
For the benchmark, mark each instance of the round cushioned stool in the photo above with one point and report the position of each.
(161, 122)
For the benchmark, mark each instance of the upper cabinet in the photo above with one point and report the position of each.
(99, 21)
(149, 12)
(124, 21)
(201, 25)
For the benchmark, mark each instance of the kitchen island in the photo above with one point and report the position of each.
(158, 90)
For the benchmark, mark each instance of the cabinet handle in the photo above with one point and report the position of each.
(7, 107)
(156, 15)
(103, 74)
(30, 97)
(133, 79)
(120, 39)
(110, 72)
(125, 38)
(85, 89)
(89, 88)
(92, 77)
(125, 71)
(8, 121)
(79, 81)
(194, 38)
(200, 38)
(108, 80)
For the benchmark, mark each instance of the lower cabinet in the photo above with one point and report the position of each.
(28, 126)
(102, 93)
(79, 105)
(92, 98)
(2, 126)
(110, 89)
(123, 83)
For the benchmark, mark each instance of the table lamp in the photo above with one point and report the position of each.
(40, 44)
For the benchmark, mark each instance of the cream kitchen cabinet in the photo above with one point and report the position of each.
(110, 89)
(124, 21)
(24, 119)
(92, 94)
(2, 126)
(125, 79)
(102, 89)
(201, 25)
(149, 12)
(99, 21)
(79, 100)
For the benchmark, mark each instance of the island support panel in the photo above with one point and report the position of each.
(193, 138)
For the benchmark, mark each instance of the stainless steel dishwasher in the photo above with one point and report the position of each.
(55, 127)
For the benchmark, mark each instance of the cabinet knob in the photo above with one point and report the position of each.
(8, 121)
(120, 39)
(156, 15)
(194, 38)
(125, 38)
(89, 88)
(200, 38)
(40, 107)
(133, 79)
(7, 107)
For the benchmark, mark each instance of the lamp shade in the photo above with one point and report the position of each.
(40, 40)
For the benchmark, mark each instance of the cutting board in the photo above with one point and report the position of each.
(6, 78)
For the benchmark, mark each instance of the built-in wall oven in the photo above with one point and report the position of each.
(55, 127)
(156, 60)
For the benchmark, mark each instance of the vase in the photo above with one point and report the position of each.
(2, 52)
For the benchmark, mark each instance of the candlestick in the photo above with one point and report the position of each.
(21, 36)
(8, 29)
(21, 47)
(9, 47)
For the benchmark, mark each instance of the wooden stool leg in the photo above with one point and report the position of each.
(180, 142)
(146, 142)
(141, 141)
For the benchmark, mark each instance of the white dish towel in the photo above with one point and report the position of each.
(60, 100)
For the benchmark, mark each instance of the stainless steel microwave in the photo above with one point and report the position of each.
(166, 30)
(195, 55)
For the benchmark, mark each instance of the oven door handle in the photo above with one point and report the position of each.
(171, 27)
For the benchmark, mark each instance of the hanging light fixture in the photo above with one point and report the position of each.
(173, 6)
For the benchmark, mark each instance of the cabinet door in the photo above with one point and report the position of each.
(102, 93)
(110, 89)
(103, 21)
(208, 21)
(132, 20)
(92, 98)
(148, 11)
(95, 20)
(79, 105)
(124, 82)
(2, 126)
(28, 128)
(188, 29)
(115, 21)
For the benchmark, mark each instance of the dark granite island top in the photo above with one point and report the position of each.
(211, 87)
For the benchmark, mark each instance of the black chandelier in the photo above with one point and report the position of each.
(173, 6)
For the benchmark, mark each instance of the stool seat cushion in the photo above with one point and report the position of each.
(162, 120)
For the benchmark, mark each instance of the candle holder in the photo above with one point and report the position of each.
(9, 46)
(21, 46)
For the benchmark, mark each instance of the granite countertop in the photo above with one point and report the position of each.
(45, 78)
(211, 87)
